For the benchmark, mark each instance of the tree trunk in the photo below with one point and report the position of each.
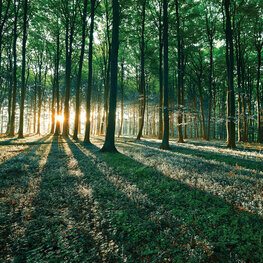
(259, 121)
(84, 27)
(57, 131)
(230, 66)
(69, 49)
(179, 117)
(160, 132)
(165, 141)
(23, 90)
(88, 106)
(122, 105)
(13, 113)
(109, 144)
(39, 94)
(142, 80)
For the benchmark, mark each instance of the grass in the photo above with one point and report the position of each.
(63, 201)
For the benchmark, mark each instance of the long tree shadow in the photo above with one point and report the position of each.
(18, 141)
(140, 230)
(14, 168)
(204, 153)
(15, 175)
(192, 167)
(58, 227)
(234, 234)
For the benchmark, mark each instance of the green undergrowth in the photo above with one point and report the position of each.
(85, 206)
(231, 160)
(231, 232)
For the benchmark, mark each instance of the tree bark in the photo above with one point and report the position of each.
(88, 107)
(165, 141)
(230, 66)
(57, 131)
(179, 115)
(142, 80)
(109, 144)
(84, 28)
(13, 113)
(23, 90)
(122, 104)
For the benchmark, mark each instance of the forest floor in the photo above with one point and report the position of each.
(63, 201)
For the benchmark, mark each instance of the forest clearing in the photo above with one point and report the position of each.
(131, 131)
(64, 201)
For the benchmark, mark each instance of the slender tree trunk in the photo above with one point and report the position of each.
(109, 144)
(259, 124)
(122, 104)
(230, 65)
(160, 132)
(165, 141)
(179, 115)
(9, 99)
(210, 90)
(39, 95)
(153, 126)
(142, 81)
(23, 90)
(201, 107)
(57, 131)
(53, 105)
(69, 49)
(88, 107)
(84, 27)
(244, 138)
(13, 113)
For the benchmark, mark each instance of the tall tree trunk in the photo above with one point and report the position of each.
(9, 96)
(259, 121)
(230, 66)
(87, 130)
(84, 27)
(165, 141)
(201, 107)
(35, 105)
(53, 105)
(179, 115)
(210, 90)
(69, 49)
(107, 65)
(122, 104)
(109, 144)
(57, 131)
(244, 138)
(142, 80)
(23, 90)
(160, 132)
(13, 113)
(134, 117)
(39, 93)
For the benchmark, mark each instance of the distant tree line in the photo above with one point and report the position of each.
(156, 68)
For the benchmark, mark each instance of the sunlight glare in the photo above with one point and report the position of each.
(60, 118)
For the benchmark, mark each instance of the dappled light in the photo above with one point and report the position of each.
(131, 131)
(67, 195)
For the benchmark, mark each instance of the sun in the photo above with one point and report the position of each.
(60, 118)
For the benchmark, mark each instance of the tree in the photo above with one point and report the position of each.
(230, 70)
(13, 112)
(109, 144)
(83, 41)
(165, 141)
(23, 90)
(142, 76)
(87, 131)
(70, 15)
